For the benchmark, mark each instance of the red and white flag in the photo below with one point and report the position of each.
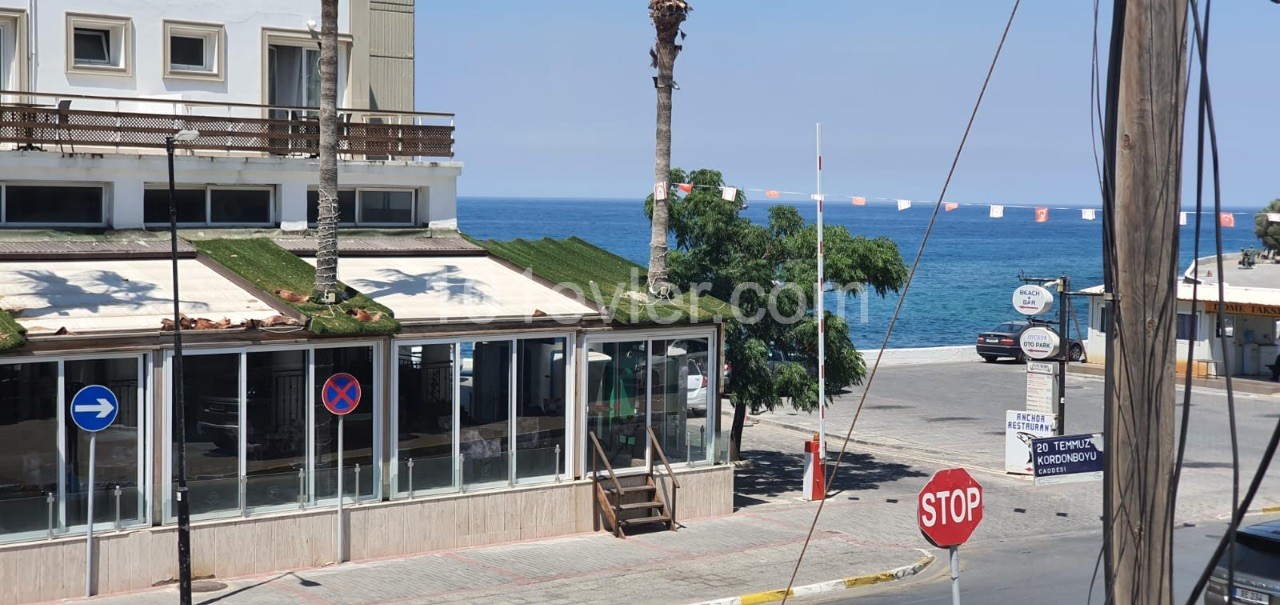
(1088, 214)
(1042, 214)
(996, 211)
(904, 204)
(949, 206)
(1226, 219)
(859, 201)
(771, 193)
(729, 194)
(684, 187)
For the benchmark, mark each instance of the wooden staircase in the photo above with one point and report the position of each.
(631, 500)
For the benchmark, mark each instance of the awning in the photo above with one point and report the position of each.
(457, 289)
(104, 296)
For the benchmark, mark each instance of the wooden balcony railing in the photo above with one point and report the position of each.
(62, 122)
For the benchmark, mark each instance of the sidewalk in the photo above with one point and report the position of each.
(708, 559)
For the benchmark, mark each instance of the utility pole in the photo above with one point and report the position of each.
(1142, 282)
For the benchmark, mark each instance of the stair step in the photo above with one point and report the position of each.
(645, 520)
(635, 489)
(639, 505)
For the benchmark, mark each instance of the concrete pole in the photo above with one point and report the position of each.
(1152, 90)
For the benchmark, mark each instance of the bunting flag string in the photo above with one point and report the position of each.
(1041, 213)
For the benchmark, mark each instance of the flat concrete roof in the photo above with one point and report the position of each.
(103, 296)
(438, 289)
(1263, 274)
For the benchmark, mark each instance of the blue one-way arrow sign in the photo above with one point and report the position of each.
(94, 408)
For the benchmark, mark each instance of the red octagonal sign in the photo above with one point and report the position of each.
(949, 507)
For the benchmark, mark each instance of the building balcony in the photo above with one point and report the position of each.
(69, 123)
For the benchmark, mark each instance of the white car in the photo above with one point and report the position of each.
(696, 389)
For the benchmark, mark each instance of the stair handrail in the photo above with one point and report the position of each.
(653, 438)
(600, 456)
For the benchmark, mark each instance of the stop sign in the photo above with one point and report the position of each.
(949, 507)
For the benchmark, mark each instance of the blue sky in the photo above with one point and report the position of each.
(558, 100)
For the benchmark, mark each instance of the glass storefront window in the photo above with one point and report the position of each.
(117, 455)
(617, 401)
(540, 407)
(211, 396)
(29, 460)
(358, 428)
(275, 428)
(485, 400)
(424, 435)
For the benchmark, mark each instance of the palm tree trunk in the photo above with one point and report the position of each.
(667, 15)
(327, 223)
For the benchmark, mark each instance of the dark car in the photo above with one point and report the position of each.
(1002, 341)
(1257, 569)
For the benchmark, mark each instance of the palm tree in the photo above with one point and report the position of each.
(667, 15)
(327, 223)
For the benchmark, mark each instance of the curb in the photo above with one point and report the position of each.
(770, 596)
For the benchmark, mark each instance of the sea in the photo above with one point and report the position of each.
(967, 271)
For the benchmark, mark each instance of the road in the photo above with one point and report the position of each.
(1036, 543)
(1048, 571)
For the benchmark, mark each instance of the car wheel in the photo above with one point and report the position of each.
(1075, 352)
(989, 358)
(1019, 357)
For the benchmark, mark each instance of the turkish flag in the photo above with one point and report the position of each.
(949, 206)
(1226, 219)
(1042, 214)
(859, 201)
(771, 193)
(685, 187)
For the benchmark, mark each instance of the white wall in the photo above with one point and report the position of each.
(242, 19)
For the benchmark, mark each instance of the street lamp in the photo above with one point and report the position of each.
(179, 406)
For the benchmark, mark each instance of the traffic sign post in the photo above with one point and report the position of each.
(340, 395)
(948, 509)
(93, 408)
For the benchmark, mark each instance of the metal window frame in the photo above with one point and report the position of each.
(413, 206)
(271, 204)
(376, 398)
(4, 207)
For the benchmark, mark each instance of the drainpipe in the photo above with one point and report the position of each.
(32, 38)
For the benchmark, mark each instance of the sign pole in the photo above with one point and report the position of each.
(1064, 285)
(820, 314)
(341, 538)
(88, 543)
(955, 575)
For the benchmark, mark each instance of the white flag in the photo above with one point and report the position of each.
(1182, 218)
(729, 193)
(1087, 214)
(904, 204)
(1273, 217)
(997, 211)
(660, 190)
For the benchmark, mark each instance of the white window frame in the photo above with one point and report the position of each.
(213, 36)
(413, 206)
(243, 510)
(13, 50)
(119, 44)
(106, 521)
(305, 39)
(713, 386)
(570, 420)
(4, 203)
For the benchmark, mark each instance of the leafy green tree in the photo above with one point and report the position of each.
(1266, 230)
(768, 272)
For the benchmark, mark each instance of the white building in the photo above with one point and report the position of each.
(494, 405)
(1251, 330)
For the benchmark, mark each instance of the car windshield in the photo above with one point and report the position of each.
(1009, 327)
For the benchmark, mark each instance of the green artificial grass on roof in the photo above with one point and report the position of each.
(272, 269)
(12, 335)
(606, 279)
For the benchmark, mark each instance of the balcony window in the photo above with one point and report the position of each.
(193, 50)
(51, 205)
(99, 44)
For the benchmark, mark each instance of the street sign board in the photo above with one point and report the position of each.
(1020, 429)
(1068, 458)
(1032, 300)
(1039, 342)
(949, 507)
(94, 408)
(341, 393)
(1042, 387)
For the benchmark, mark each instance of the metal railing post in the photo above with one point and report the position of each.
(302, 489)
(462, 473)
(410, 464)
(688, 449)
(356, 495)
(117, 495)
(49, 499)
(557, 463)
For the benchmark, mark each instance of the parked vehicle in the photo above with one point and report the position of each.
(1002, 341)
(1257, 568)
